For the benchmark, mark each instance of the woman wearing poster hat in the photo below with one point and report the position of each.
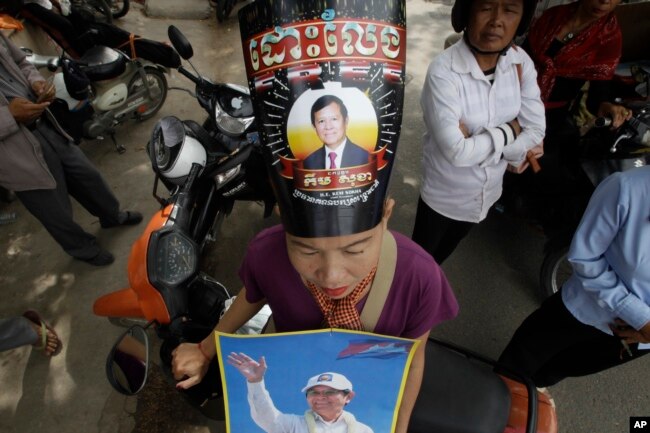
(314, 283)
(327, 395)
(483, 113)
(333, 255)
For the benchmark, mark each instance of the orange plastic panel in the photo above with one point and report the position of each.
(546, 416)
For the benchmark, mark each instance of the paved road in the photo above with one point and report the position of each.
(494, 272)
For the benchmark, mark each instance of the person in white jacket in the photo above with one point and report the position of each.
(327, 395)
(483, 112)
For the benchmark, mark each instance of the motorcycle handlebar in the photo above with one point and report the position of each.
(189, 75)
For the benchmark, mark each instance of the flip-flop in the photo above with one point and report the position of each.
(35, 318)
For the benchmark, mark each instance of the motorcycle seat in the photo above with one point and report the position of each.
(102, 63)
(459, 395)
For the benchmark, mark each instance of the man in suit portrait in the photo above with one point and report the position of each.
(329, 117)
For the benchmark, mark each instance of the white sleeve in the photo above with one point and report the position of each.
(531, 115)
(442, 109)
(264, 412)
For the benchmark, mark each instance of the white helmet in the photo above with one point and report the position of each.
(172, 151)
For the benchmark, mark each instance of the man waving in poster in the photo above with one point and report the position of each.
(327, 395)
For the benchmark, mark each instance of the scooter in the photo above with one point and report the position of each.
(103, 89)
(602, 151)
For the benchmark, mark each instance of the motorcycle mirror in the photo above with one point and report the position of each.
(127, 365)
(180, 42)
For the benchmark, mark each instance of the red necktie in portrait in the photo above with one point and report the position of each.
(332, 156)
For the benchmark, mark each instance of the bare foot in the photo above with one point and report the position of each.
(48, 340)
(51, 340)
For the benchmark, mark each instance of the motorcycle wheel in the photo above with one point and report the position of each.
(155, 79)
(119, 8)
(224, 8)
(556, 269)
(95, 11)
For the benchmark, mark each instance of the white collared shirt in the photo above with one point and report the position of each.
(462, 177)
(339, 154)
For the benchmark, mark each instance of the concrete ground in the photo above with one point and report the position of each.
(494, 272)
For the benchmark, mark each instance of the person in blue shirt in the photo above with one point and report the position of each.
(601, 316)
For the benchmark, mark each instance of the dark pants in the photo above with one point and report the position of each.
(437, 234)
(551, 345)
(77, 176)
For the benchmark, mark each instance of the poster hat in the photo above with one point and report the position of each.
(352, 56)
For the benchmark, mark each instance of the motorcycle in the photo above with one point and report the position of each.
(460, 392)
(601, 152)
(102, 89)
(103, 11)
(205, 170)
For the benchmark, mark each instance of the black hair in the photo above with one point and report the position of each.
(323, 102)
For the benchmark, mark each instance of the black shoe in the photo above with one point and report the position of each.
(103, 258)
(7, 195)
(125, 218)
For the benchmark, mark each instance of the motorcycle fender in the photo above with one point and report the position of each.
(148, 64)
(123, 303)
(151, 302)
(546, 415)
(111, 97)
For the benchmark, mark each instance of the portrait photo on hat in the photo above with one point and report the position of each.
(273, 382)
(327, 83)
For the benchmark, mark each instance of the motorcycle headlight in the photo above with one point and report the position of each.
(174, 258)
(228, 124)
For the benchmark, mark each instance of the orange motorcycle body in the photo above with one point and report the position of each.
(141, 299)
(546, 415)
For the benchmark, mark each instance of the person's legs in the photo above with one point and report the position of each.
(437, 234)
(551, 345)
(83, 181)
(46, 205)
(602, 352)
(53, 209)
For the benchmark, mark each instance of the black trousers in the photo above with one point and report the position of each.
(437, 234)
(551, 345)
(76, 176)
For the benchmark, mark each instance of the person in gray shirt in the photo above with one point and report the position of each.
(40, 163)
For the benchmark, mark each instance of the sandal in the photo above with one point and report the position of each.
(46, 330)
